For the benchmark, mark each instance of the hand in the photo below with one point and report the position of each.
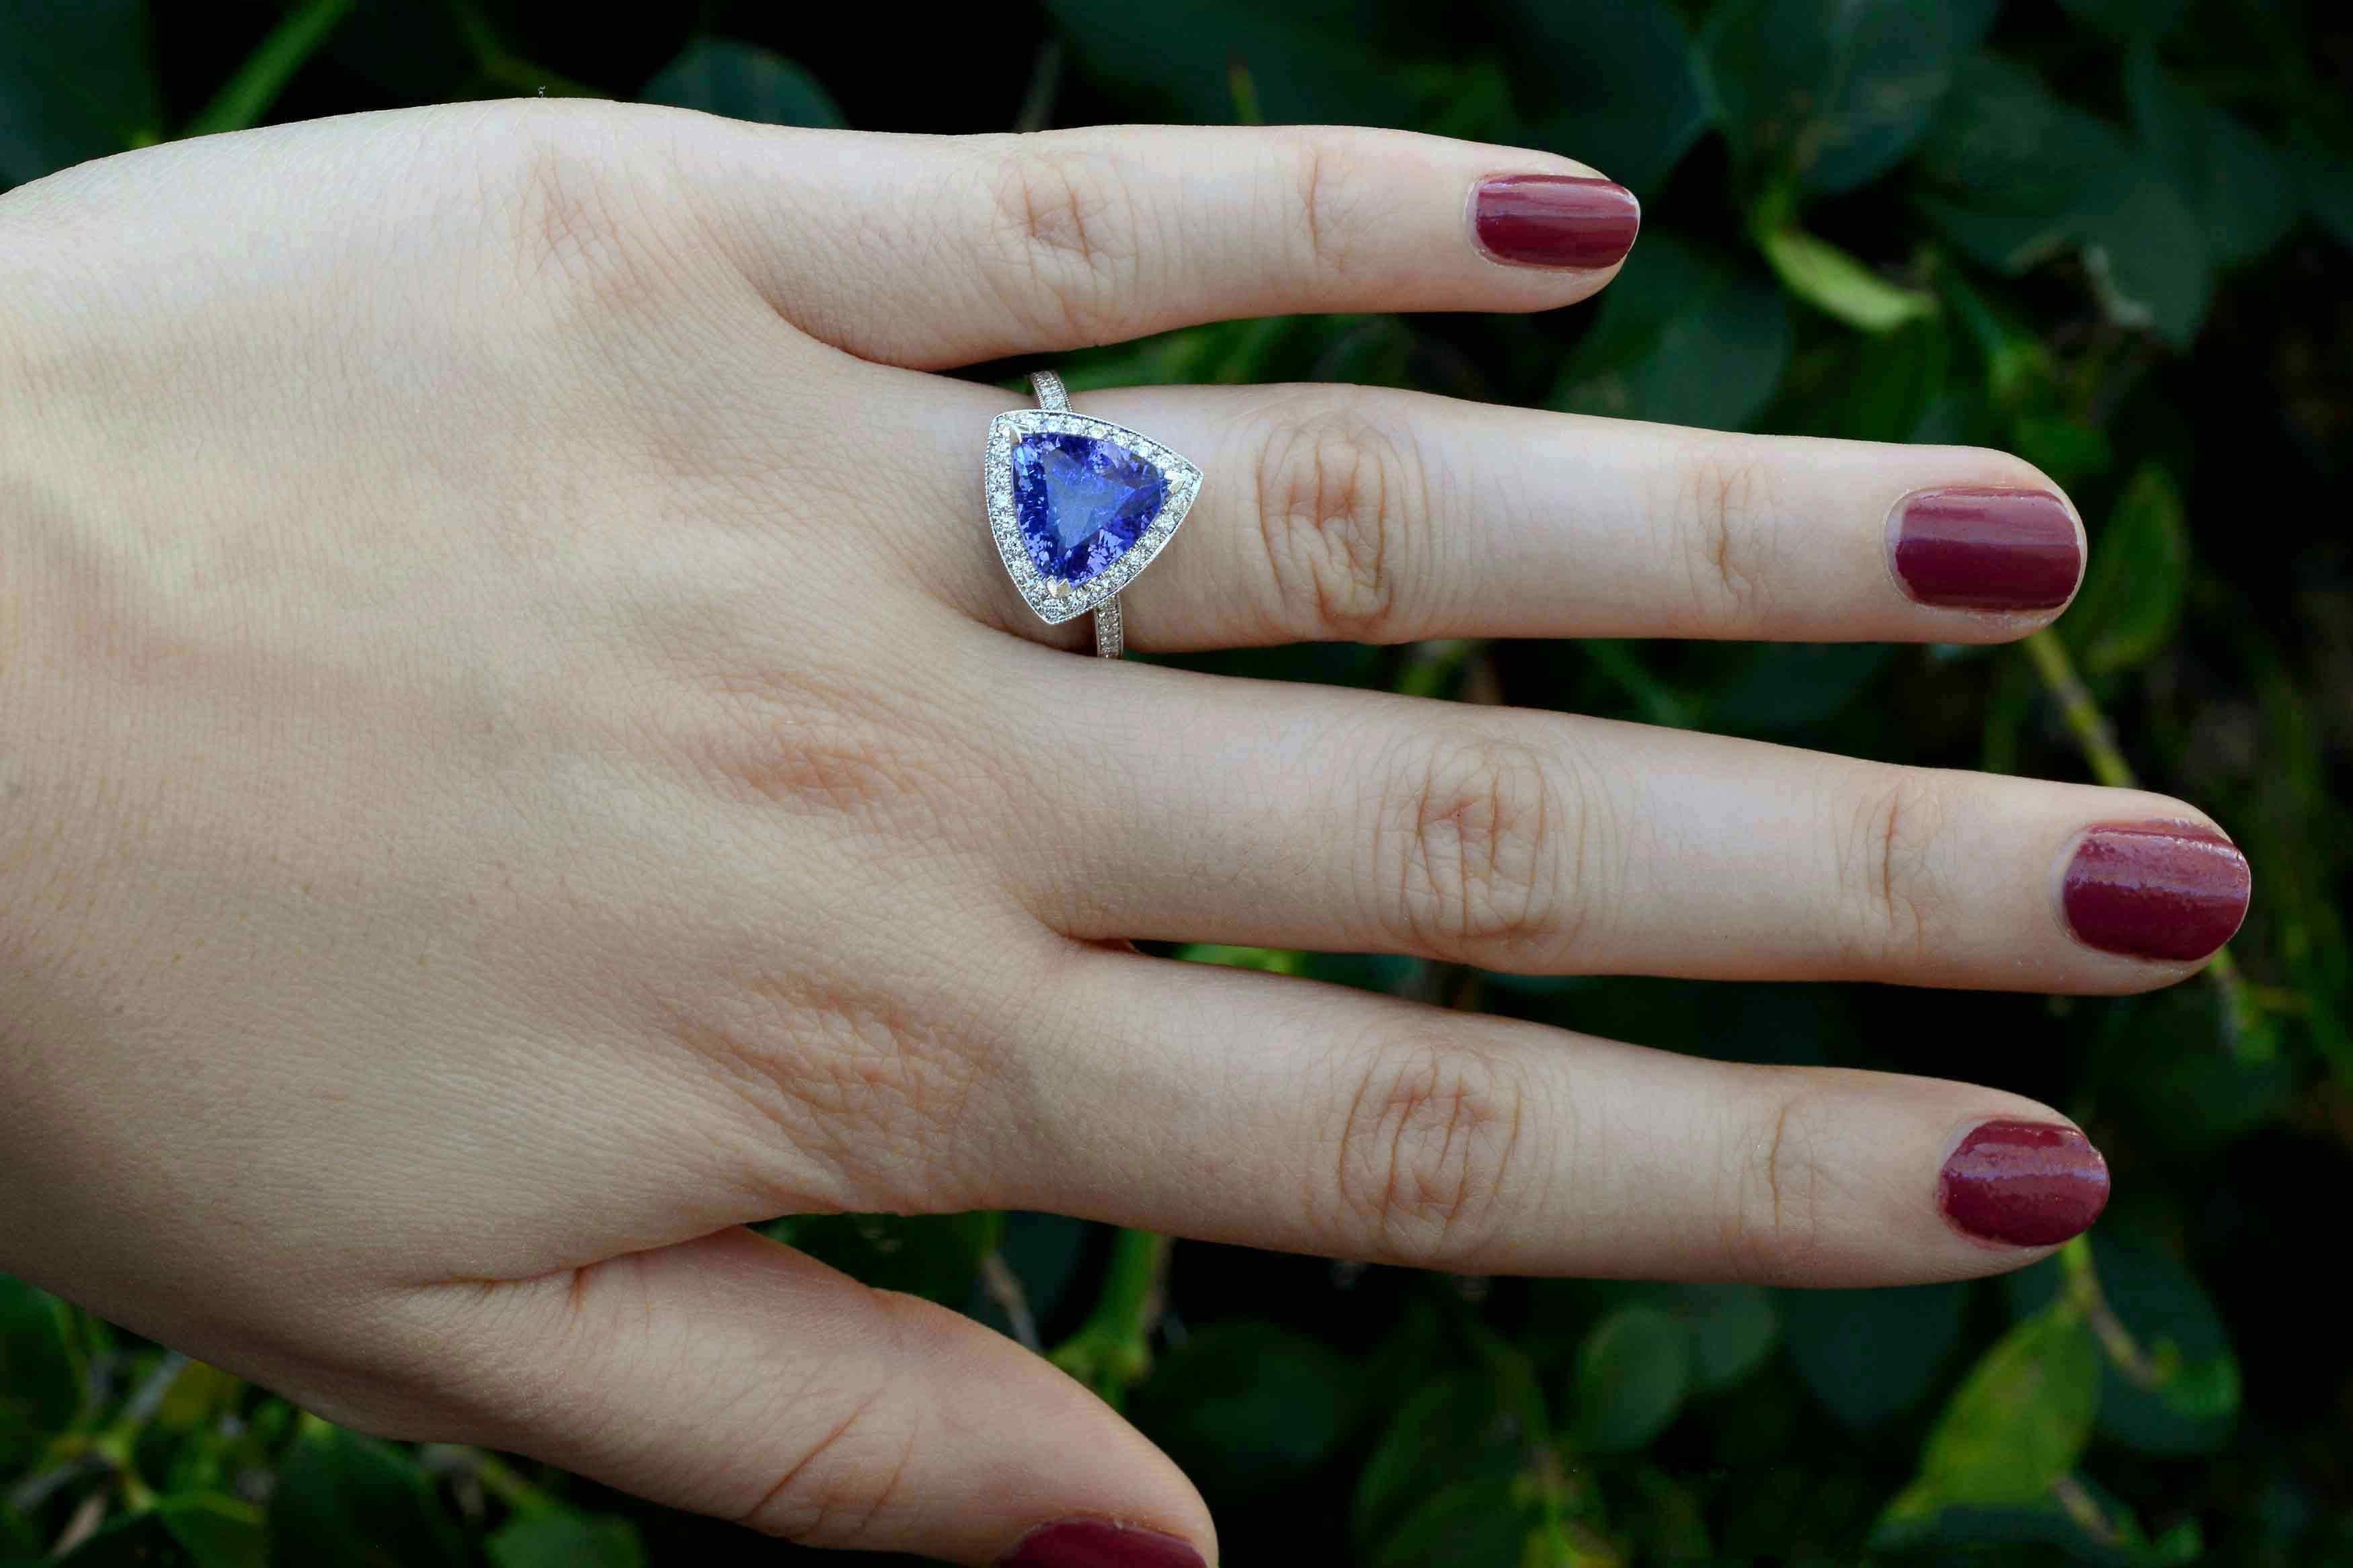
(520, 758)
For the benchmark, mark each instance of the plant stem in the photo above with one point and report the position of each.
(502, 1481)
(1004, 1288)
(2080, 712)
(2083, 1288)
(248, 95)
(1112, 1350)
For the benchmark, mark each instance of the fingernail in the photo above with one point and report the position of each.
(2025, 1182)
(1556, 220)
(1986, 548)
(2155, 890)
(1100, 1543)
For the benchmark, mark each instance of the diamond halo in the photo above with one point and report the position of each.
(1051, 600)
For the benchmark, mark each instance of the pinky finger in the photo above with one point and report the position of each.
(735, 1376)
(1295, 1115)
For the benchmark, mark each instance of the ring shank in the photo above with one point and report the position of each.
(1110, 640)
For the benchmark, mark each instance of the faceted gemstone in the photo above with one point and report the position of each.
(1081, 502)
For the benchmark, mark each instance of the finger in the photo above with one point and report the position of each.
(1284, 816)
(1372, 515)
(736, 1377)
(930, 251)
(1305, 1117)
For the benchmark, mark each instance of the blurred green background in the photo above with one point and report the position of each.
(2110, 236)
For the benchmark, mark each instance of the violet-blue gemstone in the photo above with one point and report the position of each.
(1081, 503)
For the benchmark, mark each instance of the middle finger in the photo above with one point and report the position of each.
(1274, 813)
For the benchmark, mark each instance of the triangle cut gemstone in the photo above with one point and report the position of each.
(1081, 502)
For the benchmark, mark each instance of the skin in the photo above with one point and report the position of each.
(519, 758)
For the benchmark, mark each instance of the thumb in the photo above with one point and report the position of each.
(733, 1376)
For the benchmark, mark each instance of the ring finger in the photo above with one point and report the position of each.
(1373, 515)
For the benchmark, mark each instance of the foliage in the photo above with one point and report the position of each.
(2107, 234)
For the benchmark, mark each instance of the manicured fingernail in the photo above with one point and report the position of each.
(2155, 890)
(2025, 1182)
(1986, 548)
(1100, 1543)
(1556, 220)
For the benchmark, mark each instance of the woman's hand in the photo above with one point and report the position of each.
(518, 756)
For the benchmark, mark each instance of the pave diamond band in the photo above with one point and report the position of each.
(1079, 506)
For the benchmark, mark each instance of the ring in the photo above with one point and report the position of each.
(1079, 506)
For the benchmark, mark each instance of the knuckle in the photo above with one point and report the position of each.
(1892, 889)
(1066, 247)
(1480, 850)
(1322, 213)
(568, 212)
(851, 1102)
(1338, 495)
(1779, 1183)
(1430, 1145)
(1717, 516)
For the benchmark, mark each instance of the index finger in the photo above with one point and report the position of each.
(934, 251)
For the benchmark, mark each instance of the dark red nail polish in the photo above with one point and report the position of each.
(2028, 1184)
(1100, 1543)
(2155, 890)
(1556, 220)
(1986, 549)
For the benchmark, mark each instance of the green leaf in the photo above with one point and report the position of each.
(1838, 285)
(2139, 575)
(198, 1395)
(562, 1538)
(1267, 960)
(2193, 1405)
(2065, 447)
(75, 83)
(2018, 1423)
(2085, 1522)
(1682, 339)
(1246, 1408)
(1672, 1525)
(1633, 1371)
(1477, 1423)
(40, 1373)
(1887, 386)
(1733, 1328)
(2000, 142)
(193, 1530)
(743, 81)
(347, 1501)
(1632, 103)
(2326, 183)
(2145, 254)
(1835, 92)
(1777, 687)
(2016, 177)
(2243, 191)
(937, 1256)
(1481, 1521)
(1305, 63)
(1868, 1354)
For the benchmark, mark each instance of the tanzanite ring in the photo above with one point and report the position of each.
(1079, 506)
